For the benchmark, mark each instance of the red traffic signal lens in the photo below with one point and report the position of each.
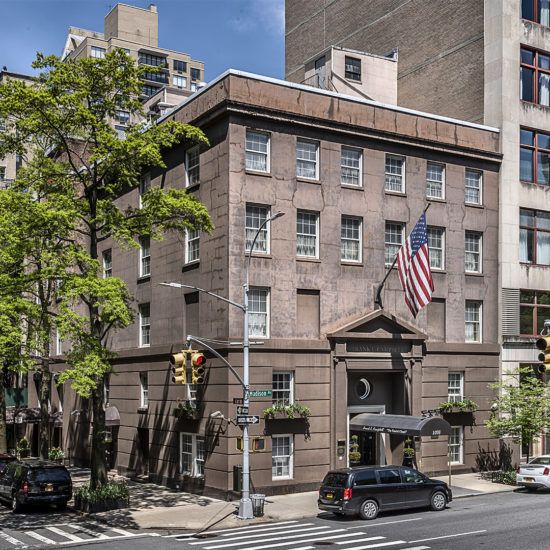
(198, 359)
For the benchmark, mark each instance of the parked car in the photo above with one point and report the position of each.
(34, 481)
(4, 459)
(534, 474)
(366, 490)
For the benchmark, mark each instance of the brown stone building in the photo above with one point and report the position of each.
(351, 176)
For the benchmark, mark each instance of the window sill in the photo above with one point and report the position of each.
(472, 274)
(475, 342)
(316, 181)
(258, 173)
(144, 346)
(351, 186)
(305, 259)
(192, 188)
(190, 266)
(143, 410)
(435, 199)
(473, 205)
(351, 264)
(440, 271)
(144, 279)
(395, 193)
(531, 264)
(260, 255)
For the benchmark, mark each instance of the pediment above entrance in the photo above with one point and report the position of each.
(378, 325)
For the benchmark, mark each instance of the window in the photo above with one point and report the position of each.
(153, 60)
(144, 256)
(281, 457)
(2, 125)
(58, 342)
(98, 52)
(534, 308)
(120, 132)
(258, 320)
(192, 246)
(192, 454)
(535, 77)
(107, 257)
(536, 10)
(395, 174)
(535, 157)
(122, 116)
(472, 252)
(144, 325)
(534, 236)
(180, 66)
(389, 476)
(106, 390)
(179, 81)
(472, 186)
(257, 151)
(351, 162)
(143, 390)
(353, 68)
(456, 445)
(255, 216)
(412, 476)
(435, 181)
(144, 186)
(393, 241)
(307, 231)
(149, 90)
(436, 247)
(192, 166)
(283, 387)
(195, 74)
(367, 477)
(162, 78)
(307, 159)
(472, 318)
(455, 386)
(2, 173)
(193, 86)
(351, 239)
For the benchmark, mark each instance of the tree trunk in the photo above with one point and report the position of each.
(98, 474)
(44, 398)
(3, 427)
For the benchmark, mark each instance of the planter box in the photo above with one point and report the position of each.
(456, 417)
(285, 425)
(101, 506)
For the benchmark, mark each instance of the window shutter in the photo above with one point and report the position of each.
(510, 312)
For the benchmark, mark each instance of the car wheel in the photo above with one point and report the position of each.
(16, 506)
(369, 509)
(61, 506)
(531, 489)
(438, 501)
(339, 514)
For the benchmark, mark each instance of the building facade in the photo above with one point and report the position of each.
(351, 187)
(484, 62)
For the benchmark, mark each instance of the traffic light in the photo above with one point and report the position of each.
(543, 343)
(198, 362)
(178, 362)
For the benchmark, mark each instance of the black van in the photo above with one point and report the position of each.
(35, 481)
(366, 490)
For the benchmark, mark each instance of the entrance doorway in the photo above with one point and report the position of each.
(370, 446)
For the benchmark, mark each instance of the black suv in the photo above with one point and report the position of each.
(4, 459)
(366, 490)
(35, 481)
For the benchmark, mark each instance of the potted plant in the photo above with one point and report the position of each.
(354, 453)
(287, 410)
(112, 495)
(408, 456)
(23, 448)
(465, 405)
(186, 409)
(56, 454)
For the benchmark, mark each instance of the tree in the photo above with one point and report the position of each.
(522, 408)
(83, 164)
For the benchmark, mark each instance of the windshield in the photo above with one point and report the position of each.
(335, 480)
(48, 475)
(542, 460)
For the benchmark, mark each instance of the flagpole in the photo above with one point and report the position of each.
(378, 298)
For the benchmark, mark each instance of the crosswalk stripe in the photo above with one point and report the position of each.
(264, 529)
(121, 531)
(368, 539)
(254, 527)
(62, 533)
(417, 548)
(255, 536)
(12, 540)
(41, 538)
(275, 540)
(81, 529)
(378, 545)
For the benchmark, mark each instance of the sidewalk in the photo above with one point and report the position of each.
(156, 507)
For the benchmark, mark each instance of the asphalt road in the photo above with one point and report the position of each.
(507, 521)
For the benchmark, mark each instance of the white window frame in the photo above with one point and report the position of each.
(192, 171)
(143, 390)
(179, 78)
(389, 175)
(459, 445)
(290, 457)
(251, 230)
(122, 116)
(261, 291)
(442, 249)
(254, 152)
(307, 160)
(58, 343)
(285, 378)
(145, 256)
(192, 240)
(452, 387)
(144, 327)
(479, 190)
(107, 261)
(479, 321)
(479, 252)
(195, 460)
(97, 50)
(442, 182)
(316, 235)
(359, 240)
(351, 169)
(144, 186)
(388, 261)
(2, 173)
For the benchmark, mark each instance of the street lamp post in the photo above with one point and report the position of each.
(245, 504)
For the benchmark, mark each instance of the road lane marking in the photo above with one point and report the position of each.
(62, 533)
(378, 545)
(331, 538)
(120, 531)
(449, 536)
(81, 529)
(12, 540)
(385, 523)
(36, 536)
(369, 539)
(417, 548)
(249, 527)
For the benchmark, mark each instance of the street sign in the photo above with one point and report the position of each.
(261, 393)
(242, 410)
(238, 401)
(242, 419)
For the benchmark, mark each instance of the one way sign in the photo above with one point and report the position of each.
(244, 419)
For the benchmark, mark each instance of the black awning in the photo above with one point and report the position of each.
(31, 415)
(401, 424)
(112, 416)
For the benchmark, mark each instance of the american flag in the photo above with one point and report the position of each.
(413, 265)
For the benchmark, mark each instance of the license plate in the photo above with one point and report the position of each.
(529, 479)
(49, 488)
(329, 496)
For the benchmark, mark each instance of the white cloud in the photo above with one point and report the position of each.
(269, 15)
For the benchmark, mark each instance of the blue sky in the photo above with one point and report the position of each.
(239, 34)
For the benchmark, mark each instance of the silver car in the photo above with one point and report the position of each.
(534, 474)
